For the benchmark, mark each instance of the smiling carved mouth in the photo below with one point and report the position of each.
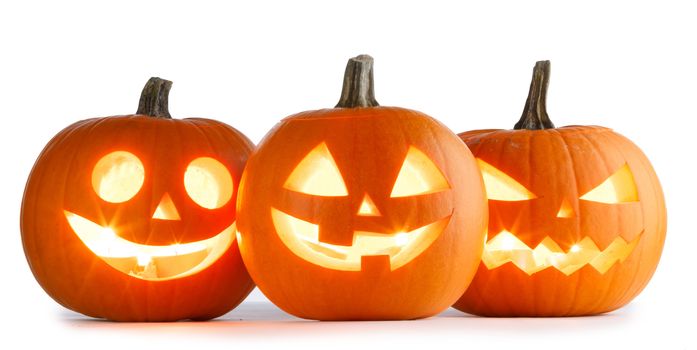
(148, 262)
(302, 238)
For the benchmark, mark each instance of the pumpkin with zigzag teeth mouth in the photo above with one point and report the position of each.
(576, 217)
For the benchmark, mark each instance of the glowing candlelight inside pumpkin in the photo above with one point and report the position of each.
(143, 260)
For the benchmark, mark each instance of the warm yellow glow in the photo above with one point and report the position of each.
(108, 233)
(401, 239)
(418, 175)
(208, 182)
(368, 208)
(317, 174)
(618, 188)
(166, 209)
(506, 247)
(146, 261)
(500, 186)
(302, 238)
(506, 241)
(565, 210)
(143, 260)
(118, 176)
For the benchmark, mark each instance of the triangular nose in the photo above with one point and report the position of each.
(367, 207)
(565, 210)
(166, 209)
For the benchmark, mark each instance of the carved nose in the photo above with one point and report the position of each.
(166, 210)
(566, 210)
(367, 207)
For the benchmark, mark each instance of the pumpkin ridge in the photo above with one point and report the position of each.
(633, 290)
(572, 163)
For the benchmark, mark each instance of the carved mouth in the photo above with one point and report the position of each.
(302, 238)
(148, 262)
(505, 247)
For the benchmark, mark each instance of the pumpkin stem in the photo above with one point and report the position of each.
(535, 113)
(154, 98)
(358, 84)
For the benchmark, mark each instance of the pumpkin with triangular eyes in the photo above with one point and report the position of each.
(132, 218)
(577, 217)
(361, 212)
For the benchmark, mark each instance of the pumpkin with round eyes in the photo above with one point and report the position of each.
(132, 218)
(361, 211)
(577, 217)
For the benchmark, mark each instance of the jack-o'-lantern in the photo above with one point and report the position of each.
(132, 218)
(361, 211)
(577, 217)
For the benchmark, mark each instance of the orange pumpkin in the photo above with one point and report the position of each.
(132, 218)
(361, 212)
(577, 217)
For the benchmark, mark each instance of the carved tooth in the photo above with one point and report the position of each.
(505, 248)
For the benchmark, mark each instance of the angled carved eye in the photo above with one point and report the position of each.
(317, 174)
(502, 187)
(418, 175)
(118, 176)
(208, 182)
(618, 188)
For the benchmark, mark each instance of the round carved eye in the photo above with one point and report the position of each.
(208, 183)
(118, 176)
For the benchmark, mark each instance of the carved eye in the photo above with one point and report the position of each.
(418, 175)
(208, 183)
(618, 188)
(502, 187)
(118, 176)
(317, 174)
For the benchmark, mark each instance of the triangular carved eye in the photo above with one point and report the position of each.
(418, 175)
(502, 187)
(618, 188)
(317, 174)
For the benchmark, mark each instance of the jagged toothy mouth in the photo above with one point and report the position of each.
(505, 247)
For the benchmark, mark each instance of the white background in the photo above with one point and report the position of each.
(630, 66)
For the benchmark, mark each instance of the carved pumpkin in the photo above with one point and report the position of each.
(361, 211)
(132, 218)
(577, 217)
